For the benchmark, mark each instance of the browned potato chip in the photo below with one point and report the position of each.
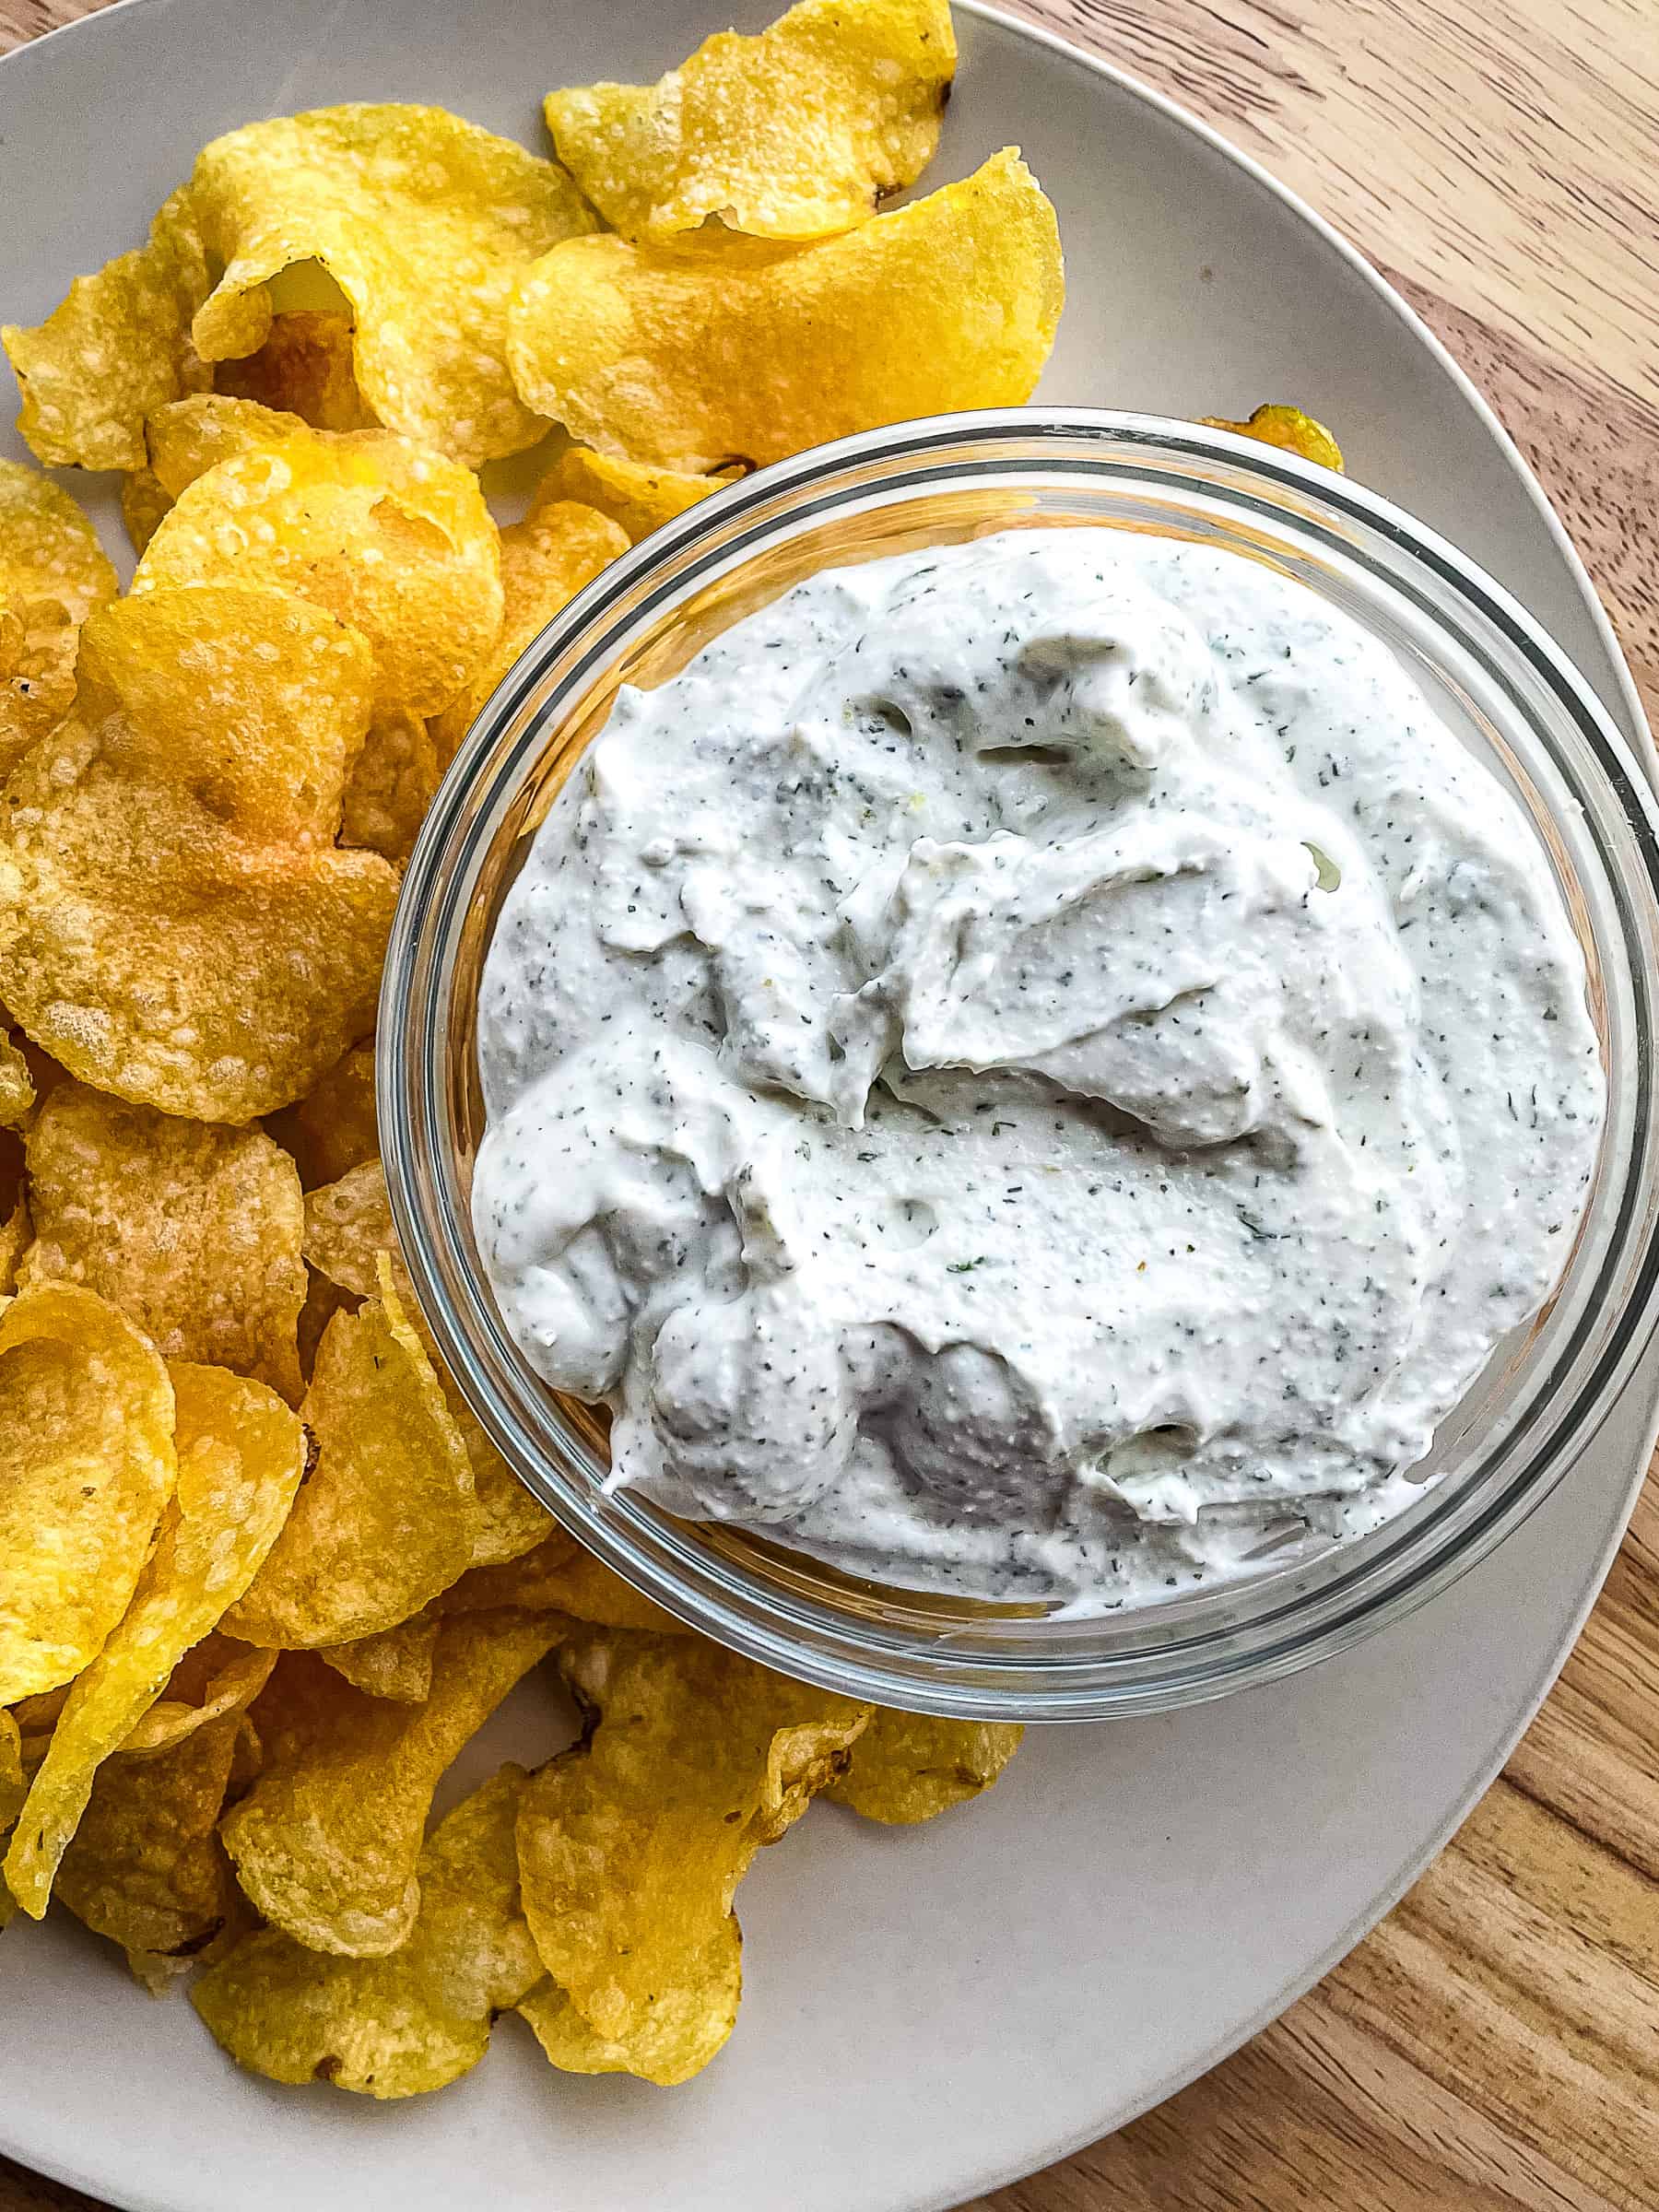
(146, 1869)
(16, 1085)
(384, 1520)
(560, 1575)
(117, 347)
(217, 1678)
(391, 785)
(327, 1842)
(1288, 428)
(52, 575)
(190, 1228)
(688, 364)
(545, 559)
(304, 367)
(332, 1129)
(423, 221)
(631, 1845)
(175, 925)
(907, 1766)
(144, 500)
(388, 537)
(641, 499)
(240, 1454)
(395, 1664)
(87, 1429)
(799, 131)
(396, 2026)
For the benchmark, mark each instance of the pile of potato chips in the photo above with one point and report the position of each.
(262, 1573)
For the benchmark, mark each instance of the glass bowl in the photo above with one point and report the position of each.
(1493, 675)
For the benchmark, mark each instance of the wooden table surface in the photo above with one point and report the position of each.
(1495, 2043)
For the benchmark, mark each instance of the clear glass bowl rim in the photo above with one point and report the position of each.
(1351, 1591)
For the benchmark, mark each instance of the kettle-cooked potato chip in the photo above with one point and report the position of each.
(545, 559)
(395, 1664)
(190, 1228)
(384, 1522)
(1288, 428)
(907, 1766)
(423, 221)
(328, 1840)
(13, 1788)
(17, 1089)
(52, 575)
(175, 925)
(801, 131)
(332, 1129)
(188, 437)
(641, 499)
(215, 1678)
(631, 1845)
(86, 1434)
(117, 347)
(146, 1868)
(561, 1575)
(241, 1453)
(389, 536)
(400, 2025)
(304, 367)
(392, 784)
(689, 363)
(144, 500)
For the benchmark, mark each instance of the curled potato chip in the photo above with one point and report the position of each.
(190, 1228)
(241, 1453)
(1288, 428)
(545, 559)
(117, 347)
(395, 1664)
(391, 785)
(13, 1788)
(327, 1842)
(401, 2025)
(144, 500)
(631, 1845)
(17, 1083)
(949, 303)
(332, 1129)
(187, 437)
(383, 1521)
(349, 1236)
(388, 537)
(87, 1433)
(641, 499)
(797, 133)
(146, 1868)
(304, 367)
(215, 1678)
(907, 1766)
(175, 925)
(423, 221)
(52, 575)
(560, 1575)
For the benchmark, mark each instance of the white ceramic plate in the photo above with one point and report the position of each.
(928, 2014)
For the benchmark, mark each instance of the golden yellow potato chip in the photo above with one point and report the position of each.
(17, 1083)
(693, 2021)
(687, 364)
(389, 536)
(348, 1233)
(187, 437)
(215, 1678)
(144, 500)
(52, 575)
(391, 785)
(384, 1520)
(545, 559)
(175, 925)
(1288, 428)
(146, 1868)
(560, 1575)
(641, 499)
(792, 135)
(85, 1439)
(631, 1845)
(327, 1842)
(304, 367)
(395, 1664)
(192, 1228)
(117, 347)
(907, 1766)
(332, 1129)
(13, 1788)
(395, 2026)
(241, 1453)
(423, 221)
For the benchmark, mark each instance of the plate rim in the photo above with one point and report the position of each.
(1626, 708)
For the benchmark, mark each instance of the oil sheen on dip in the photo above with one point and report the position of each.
(1034, 1067)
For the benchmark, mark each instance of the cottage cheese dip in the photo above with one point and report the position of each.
(1037, 1068)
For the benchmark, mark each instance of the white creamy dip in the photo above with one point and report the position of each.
(1037, 1067)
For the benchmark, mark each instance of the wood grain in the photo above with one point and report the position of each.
(1494, 2046)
